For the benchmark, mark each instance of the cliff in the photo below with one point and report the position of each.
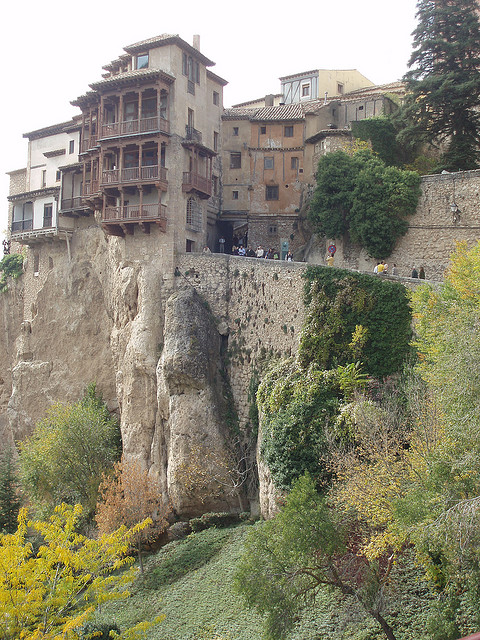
(171, 346)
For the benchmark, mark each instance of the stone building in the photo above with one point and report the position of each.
(270, 153)
(142, 156)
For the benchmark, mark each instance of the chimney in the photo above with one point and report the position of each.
(269, 100)
(196, 42)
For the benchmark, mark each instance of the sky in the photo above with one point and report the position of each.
(52, 51)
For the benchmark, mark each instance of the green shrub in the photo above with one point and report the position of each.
(11, 266)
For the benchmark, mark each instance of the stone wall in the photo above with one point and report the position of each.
(432, 233)
(260, 303)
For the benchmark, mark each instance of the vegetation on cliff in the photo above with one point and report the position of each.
(360, 195)
(69, 450)
(403, 485)
(11, 266)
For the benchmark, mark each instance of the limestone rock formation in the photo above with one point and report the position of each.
(191, 402)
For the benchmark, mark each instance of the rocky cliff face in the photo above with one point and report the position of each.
(111, 314)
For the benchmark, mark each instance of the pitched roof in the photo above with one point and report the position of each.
(130, 76)
(163, 40)
(292, 111)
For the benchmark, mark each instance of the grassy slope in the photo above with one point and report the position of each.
(190, 581)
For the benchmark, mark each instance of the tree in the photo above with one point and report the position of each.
(9, 498)
(443, 84)
(130, 495)
(360, 195)
(305, 548)
(69, 450)
(52, 592)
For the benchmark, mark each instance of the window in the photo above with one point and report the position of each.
(234, 195)
(339, 88)
(215, 140)
(263, 131)
(235, 131)
(235, 160)
(271, 192)
(58, 176)
(216, 98)
(142, 61)
(71, 146)
(191, 119)
(36, 262)
(185, 64)
(305, 90)
(268, 162)
(272, 229)
(47, 215)
(288, 131)
(294, 163)
(189, 246)
(194, 215)
(22, 217)
(360, 108)
(44, 178)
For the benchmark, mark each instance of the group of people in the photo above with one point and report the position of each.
(418, 274)
(382, 267)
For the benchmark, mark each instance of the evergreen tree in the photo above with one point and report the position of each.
(9, 500)
(443, 84)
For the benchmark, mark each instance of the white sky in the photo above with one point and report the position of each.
(51, 51)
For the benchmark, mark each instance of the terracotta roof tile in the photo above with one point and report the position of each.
(282, 112)
(129, 75)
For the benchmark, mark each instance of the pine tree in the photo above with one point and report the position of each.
(9, 499)
(443, 84)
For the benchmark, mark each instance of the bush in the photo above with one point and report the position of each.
(11, 266)
(218, 520)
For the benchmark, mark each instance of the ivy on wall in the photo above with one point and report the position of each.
(338, 302)
(357, 326)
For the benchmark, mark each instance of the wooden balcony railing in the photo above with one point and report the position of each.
(155, 123)
(72, 203)
(150, 173)
(22, 225)
(89, 187)
(194, 182)
(135, 213)
(88, 143)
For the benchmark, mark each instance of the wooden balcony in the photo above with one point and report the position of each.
(194, 182)
(90, 187)
(120, 221)
(88, 143)
(74, 206)
(141, 175)
(131, 127)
